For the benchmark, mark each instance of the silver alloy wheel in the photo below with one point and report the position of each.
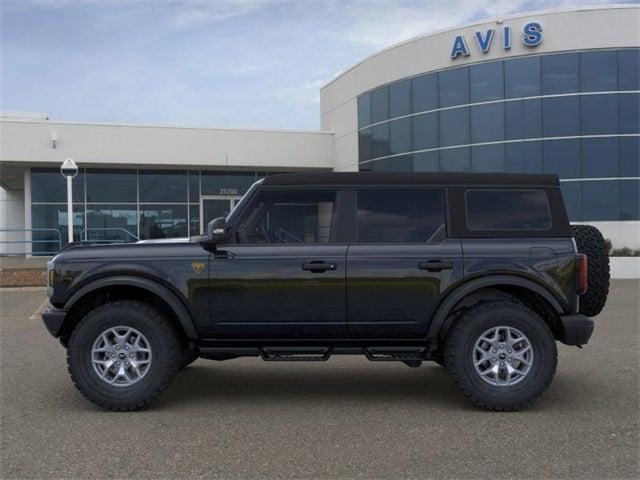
(502, 356)
(121, 356)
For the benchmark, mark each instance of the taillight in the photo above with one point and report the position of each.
(582, 267)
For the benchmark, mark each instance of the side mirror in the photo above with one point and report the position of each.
(217, 230)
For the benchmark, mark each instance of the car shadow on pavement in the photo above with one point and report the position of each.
(296, 384)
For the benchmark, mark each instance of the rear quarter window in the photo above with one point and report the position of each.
(490, 209)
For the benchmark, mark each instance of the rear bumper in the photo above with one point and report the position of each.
(576, 329)
(53, 319)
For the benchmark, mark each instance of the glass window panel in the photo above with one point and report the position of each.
(53, 217)
(453, 87)
(560, 73)
(630, 156)
(400, 135)
(49, 186)
(426, 161)
(226, 183)
(380, 105)
(601, 200)
(524, 157)
(163, 221)
(487, 123)
(599, 71)
(522, 77)
(572, 194)
(401, 163)
(455, 160)
(365, 145)
(630, 200)
(487, 81)
(400, 215)
(562, 157)
(290, 217)
(380, 140)
(112, 186)
(561, 116)
(424, 93)
(454, 127)
(507, 210)
(487, 158)
(194, 186)
(383, 165)
(163, 186)
(523, 119)
(400, 98)
(364, 110)
(629, 112)
(600, 157)
(109, 222)
(629, 70)
(365, 167)
(599, 114)
(425, 131)
(194, 220)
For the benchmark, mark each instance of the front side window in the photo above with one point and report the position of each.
(289, 217)
(508, 210)
(400, 216)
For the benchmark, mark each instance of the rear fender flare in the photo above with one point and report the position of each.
(440, 319)
(176, 305)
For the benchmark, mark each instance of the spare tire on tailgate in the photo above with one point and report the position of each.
(590, 242)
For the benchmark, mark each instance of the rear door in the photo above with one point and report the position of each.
(400, 263)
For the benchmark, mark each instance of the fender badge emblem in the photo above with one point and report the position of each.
(197, 266)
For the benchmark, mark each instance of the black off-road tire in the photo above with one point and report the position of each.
(460, 344)
(188, 357)
(165, 348)
(590, 242)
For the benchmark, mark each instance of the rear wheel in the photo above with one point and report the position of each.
(122, 355)
(501, 355)
(591, 243)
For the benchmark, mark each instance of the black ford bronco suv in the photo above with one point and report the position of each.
(481, 273)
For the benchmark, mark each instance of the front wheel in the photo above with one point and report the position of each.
(122, 355)
(501, 355)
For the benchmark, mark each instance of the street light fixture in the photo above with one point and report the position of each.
(69, 169)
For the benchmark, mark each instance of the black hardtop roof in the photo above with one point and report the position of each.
(411, 178)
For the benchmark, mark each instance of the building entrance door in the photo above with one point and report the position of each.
(214, 206)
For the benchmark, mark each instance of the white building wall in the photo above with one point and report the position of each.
(12, 215)
(30, 141)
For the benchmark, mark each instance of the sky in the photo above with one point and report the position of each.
(218, 63)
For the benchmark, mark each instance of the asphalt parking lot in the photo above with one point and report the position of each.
(345, 418)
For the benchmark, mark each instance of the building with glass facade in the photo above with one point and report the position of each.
(555, 92)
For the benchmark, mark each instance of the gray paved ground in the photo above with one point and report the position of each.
(346, 418)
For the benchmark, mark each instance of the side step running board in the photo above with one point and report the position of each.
(395, 354)
(275, 354)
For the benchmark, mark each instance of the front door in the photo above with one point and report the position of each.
(285, 276)
(400, 264)
(214, 206)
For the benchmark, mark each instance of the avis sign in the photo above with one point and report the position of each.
(531, 37)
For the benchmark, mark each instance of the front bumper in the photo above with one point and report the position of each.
(53, 319)
(576, 329)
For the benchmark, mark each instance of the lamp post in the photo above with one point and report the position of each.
(69, 169)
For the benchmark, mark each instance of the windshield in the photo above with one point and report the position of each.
(243, 201)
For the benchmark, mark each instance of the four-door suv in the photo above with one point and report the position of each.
(481, 273)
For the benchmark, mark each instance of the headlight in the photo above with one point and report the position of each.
(51, 274)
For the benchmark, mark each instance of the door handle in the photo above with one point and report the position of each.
(318, 266)
(435, 266)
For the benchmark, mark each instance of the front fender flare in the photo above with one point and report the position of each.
(174, 302)
(439, 319)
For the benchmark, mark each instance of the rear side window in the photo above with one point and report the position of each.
(400, 216)
(507, 210)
